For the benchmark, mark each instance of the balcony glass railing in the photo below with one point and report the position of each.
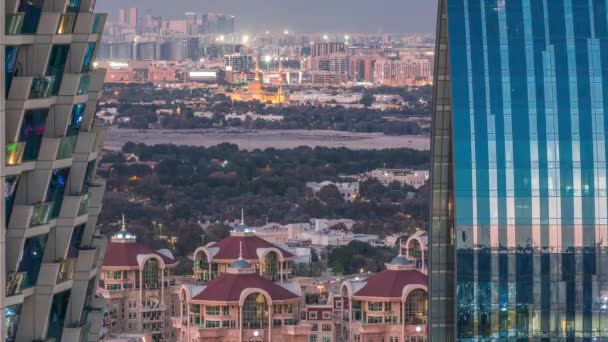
(66, 147)
(66, 23)
(14, 22)
(84, 205)
(15, 283)
(97, 24)
(66, 270)
(42, 87)
(41, 214)
(14, 153)
(83, 85)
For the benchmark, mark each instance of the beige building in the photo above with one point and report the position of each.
(138, 287)
(413, 178)
(50, 143)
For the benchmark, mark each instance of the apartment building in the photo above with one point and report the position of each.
(50, 144)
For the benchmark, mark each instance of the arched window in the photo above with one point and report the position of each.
(415, 307)
(150, 274)
(255, 311)
(414, 250)
(201, 267)
(271, 266)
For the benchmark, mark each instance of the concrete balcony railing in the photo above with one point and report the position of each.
(74, 206)
(27, 216)
(74, 84)
(53, 149)
(88, 23)
(97, 79)
(76, 332)
(49, 22)
(32, 88)
(87, 258)
(14, 23)
(14, 153)
(86, 143)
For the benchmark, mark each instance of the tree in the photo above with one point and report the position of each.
(330, 196)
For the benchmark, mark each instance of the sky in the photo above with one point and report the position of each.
(354, 16)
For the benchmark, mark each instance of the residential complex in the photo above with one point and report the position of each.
(50, 246)
(519, 234)
(242, 289)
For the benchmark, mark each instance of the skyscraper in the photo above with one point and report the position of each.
(49, 245)
(519, 230)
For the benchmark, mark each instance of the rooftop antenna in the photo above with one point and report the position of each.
(124, 225)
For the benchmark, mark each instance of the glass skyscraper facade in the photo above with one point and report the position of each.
(519, 226)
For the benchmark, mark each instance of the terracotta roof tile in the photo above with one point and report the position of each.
(228, 288)
(229, 247)
(390, 283)
(125, 254)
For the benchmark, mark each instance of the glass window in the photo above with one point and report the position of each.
(255, 312)
(415, 307)
(374, 306)
(57, 186)
(88, 58)
(30, 260)
(32, 129)
(75, 120)
(32, 10)
(150, 274)
(57, 315)
(212, 310)
(10, 188)
(75, 241)
(56, 66)
(11, 322)
(10, 62)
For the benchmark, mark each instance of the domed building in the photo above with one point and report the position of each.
(255, 92)
(387, 306)
(136, 283)
(265, 258)
(240, 305)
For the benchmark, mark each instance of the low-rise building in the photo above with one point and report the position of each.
(137, 285)
(348, 190)
(413, 178)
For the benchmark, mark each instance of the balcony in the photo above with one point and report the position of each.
(66, 147)
(98, 23)
(42, 87)
(15, 283)
(74, 206)
(14, 153)
(41, 214)
(76, 331)
(66, 23)
(14, 23)
(66, 270)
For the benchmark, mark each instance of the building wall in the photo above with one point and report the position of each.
(529, 162)
(49, 245)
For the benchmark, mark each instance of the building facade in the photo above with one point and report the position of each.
(49, 244)
(519, 233)
(138, 287)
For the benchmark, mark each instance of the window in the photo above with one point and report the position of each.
(326, 338)
(277, 309)
(31, 131)
(374, 320)
(56, 66)
(32, 9)
(271, 266)
(212, 310)
(303, 315)
(289, 322)
(150, 274)
(56, 189)
(10, 188)
(75, 120)
(387, 306)
(75, 241)
(326, 327)
(57, 315)
(212, 324)
(225, 310)
(315, 327)
(338, 304)
(289, 308)
(88, 58)
(326, 315)
(312, 338)
(415, 307)
(276, 322)
(312, 315)
(255, 311)
(33, 249)
(229, 324)
(374, 306)
(11, 321)
(10, 61)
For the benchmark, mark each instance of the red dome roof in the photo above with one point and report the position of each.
(390, 283)
(228, 288)
(125, 254)
(230, 246)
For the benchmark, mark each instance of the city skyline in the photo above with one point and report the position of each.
(337, 16)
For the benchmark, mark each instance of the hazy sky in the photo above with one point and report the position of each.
(365, 16)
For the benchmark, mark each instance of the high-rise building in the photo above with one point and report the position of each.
(237, 62)
(50, 145)
(519, 230)
(122, 16)
(133, 18)
(326, 49)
